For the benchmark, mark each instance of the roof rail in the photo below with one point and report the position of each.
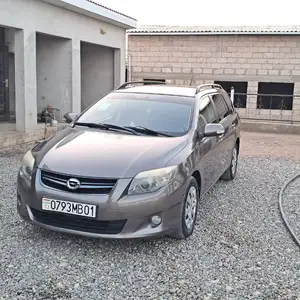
(202, 87)
(123, 86)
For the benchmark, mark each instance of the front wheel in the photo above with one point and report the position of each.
(189, 211)
(230, 173)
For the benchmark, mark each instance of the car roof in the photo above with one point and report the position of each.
(160, 89)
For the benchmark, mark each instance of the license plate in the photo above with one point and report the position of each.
(73, 208)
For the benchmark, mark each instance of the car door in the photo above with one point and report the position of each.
(227, 140)
(207, 146)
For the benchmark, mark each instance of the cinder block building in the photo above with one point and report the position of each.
(261, 63)
(63, 53)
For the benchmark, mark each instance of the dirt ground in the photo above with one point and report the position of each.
(270, 144)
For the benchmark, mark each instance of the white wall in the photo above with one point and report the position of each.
(30, 17)
(97, 73)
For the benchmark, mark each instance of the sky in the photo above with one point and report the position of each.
(209, 12)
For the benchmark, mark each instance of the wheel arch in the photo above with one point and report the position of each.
(238, 144)
(196, 174)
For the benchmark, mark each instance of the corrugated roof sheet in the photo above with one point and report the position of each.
(96, 3)
(162, 29)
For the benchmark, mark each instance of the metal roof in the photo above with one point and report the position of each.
(214, 30)
(94, 2)
(93, 9)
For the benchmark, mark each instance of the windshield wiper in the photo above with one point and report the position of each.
(107, 127)
(146, 130)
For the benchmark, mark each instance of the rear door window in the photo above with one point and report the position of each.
(221, 106)
(207, 113)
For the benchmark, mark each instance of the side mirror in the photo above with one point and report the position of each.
(213, 130)
(70, 117)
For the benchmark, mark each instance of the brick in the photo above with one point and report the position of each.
(186, 70)
(176, 70)
(166, 70)
(263, 49)
(247, 55)
(4, 145)
(257, 55)
(256, 66)
(197, 70)
(181, 59)
(262, 72)
(186, 65)
(240, 72)
(191, 59)
(274, 49)
(229, 71)
(251, 72)
(285, 72)
(207, 71)
(273, 72)
(236, 66)
(268, 55)
(218, 71)
(212, 59)
(137, 69)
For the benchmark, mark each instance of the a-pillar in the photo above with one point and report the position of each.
(25, 80)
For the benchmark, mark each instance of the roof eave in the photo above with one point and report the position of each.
(97, 12)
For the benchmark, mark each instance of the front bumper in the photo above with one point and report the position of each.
(130, 214)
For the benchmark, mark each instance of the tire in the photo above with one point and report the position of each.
(191, 200)
(230, 173)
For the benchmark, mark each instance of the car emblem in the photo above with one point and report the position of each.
(73, 184)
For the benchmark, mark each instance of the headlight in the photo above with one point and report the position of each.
(152, 181)
(27, 165)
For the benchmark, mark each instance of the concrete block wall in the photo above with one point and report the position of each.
(204, 59)
(257, 58)
(18, 140)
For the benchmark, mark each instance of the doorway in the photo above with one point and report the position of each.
(4, 83)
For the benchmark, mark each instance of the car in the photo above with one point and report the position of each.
(134, 164)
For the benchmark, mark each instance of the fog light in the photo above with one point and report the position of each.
(156, 220)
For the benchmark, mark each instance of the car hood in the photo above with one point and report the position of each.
(97, 153)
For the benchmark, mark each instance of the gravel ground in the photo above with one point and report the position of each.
(291, 205)
(239, 250)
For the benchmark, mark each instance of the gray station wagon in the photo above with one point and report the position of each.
(134, 164)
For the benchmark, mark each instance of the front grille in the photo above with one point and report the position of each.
(87, 185)
(78, 223)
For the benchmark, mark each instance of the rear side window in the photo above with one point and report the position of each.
(207, 110)
(228, 101)
(207, 113)
(221, 106)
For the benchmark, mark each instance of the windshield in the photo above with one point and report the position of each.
(162, 113)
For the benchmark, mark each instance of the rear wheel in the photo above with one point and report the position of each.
(230, 173)
(189, 211)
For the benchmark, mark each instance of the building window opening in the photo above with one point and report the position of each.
(275, 95)
(240, 91)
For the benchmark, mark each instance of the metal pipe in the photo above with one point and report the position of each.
(232, 94)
